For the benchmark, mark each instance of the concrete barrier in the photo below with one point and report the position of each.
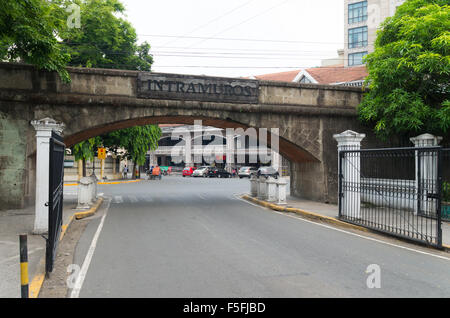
(85, 193)
(271, 189)
(262, 195)
(281, 191)
(253, 186)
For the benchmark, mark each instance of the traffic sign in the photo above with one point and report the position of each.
(101, 154)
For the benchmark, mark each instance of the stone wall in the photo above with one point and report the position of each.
(99, 101)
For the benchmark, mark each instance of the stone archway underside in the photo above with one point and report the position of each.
(286, 148)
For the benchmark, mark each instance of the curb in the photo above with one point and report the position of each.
(111, 182)
(306, 214)
(315, 216)
(90, 212)
(38, 279)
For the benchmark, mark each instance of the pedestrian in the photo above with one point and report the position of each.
(125, 172)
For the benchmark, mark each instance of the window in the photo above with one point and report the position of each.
(356, 58)
(357, 12)
(357, 37)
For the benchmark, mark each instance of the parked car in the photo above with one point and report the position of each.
(201, 171)
(218, 173)
(247, 172)
(188, 171)
(268, 172)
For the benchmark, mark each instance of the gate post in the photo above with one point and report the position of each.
(426, 172)
(44, 128)
(350, 201)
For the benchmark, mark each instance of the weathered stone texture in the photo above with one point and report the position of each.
(100, 101)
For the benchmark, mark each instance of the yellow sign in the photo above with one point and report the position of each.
(101, 153)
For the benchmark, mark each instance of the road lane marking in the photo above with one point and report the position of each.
(346, 232)
(87, 260)
(118, 199)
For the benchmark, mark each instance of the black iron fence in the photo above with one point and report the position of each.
(55, 200)
(445, 203)
(397, 191)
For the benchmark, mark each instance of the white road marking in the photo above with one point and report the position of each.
(118, 199)
(87, 260)
(350, 233)
(202, 197)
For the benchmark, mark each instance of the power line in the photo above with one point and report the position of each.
(245, 21)
(237, 39)
(211, 21)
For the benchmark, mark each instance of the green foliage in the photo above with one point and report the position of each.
(28, 33)
(105, 40)
(36, 32)
(85, 150)
(446, 191)
(409, 72)
(135, 140)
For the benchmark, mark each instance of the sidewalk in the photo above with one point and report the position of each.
(12, 224)
(331, 211)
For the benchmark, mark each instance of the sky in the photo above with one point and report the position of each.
(237, 38)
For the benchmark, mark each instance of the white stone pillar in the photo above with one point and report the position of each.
(44, 128)
(426, 172)
(281, 191)
(262, 195)
(253, 186)
(351, 200)
(271, 189)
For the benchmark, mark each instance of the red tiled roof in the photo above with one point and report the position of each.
(323, 75)
(330, 75)
(282, 77)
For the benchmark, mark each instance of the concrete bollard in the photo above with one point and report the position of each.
(85, 193)
(94, 187)
(281, 191)
(253, 186)
(271, 189)
(262, 195)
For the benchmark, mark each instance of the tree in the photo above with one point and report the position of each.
(409, 72)
(104, 39)
(85, 150)
(28, 33)
(135, 140)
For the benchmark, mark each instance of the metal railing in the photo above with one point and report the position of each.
(395, 191)
(55, 200)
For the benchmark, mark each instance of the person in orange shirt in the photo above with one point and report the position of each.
(156, 171)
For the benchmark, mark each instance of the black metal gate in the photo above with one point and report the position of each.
(396, 191)
(55, 198)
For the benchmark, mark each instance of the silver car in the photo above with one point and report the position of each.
(201, 172)
(247, 172)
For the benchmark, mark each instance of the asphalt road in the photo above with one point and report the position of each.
(185, 237)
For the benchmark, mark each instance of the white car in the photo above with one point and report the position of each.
(201, 172)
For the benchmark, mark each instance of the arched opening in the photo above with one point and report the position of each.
(287, 149)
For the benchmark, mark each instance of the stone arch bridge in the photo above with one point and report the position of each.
(98, 101)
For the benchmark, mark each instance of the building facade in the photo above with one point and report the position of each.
(206, 145)
(362, 20)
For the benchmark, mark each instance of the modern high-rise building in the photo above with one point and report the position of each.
(362, 20)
